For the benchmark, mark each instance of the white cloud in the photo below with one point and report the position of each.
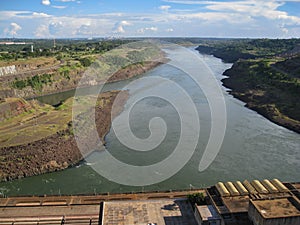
(59, 6)
(287, 0)
(210, 18)
(143, 30)
(165, 7)
(186, 2)
(8, 15)
(199, 2)
(248, 18)
(56, 28)
(66, 27)
(125, 23)
(84, 29)
(46, 2)
(284, 30)
(36, 14)
(42, 32)
(119, 27)
(238, 12)
(12, 29)
(152, 28)
(267, 9)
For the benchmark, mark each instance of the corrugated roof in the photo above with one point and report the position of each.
(240, 187)
(259, 187)
(249, 187)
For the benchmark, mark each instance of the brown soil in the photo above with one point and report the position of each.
(58, 151)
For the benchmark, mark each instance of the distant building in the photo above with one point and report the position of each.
(207, 215)
(281, 211)
(12, 43)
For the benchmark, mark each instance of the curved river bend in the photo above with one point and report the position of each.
(253, 147)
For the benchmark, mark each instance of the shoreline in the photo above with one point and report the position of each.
(45, 155)
(252, 97)
(146, 69)
(257, 102)
(123, 74)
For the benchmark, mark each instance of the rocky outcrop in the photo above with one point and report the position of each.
(6, 70)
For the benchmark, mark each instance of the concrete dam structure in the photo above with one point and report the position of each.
(231, 203)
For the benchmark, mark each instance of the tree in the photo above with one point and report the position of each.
(85, 61)
(197, 198)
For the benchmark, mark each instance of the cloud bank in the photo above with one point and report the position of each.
(248, 18)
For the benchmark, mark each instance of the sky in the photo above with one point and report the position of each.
(149, 18)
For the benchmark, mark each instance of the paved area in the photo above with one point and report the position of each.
(163, 211)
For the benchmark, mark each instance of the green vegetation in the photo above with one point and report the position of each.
(197, 198)
(115, 60)
(52, 69)
(36, 82)
(230, 50)
(265, 75)
(290, 66)
(86, 62)
(34, 123)
(279, 88)
(65, 71)
(37, 138)
(61, 48)
(143, 55)
(60, 69)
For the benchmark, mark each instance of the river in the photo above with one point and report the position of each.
(253, 147)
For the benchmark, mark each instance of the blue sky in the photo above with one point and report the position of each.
(150, 18)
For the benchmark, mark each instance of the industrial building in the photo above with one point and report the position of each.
(207, 215)
(281, 211)
(267, 202)
(256, 203)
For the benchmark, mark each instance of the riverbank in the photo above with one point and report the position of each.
(57, 83)
(57, 151)
(263, 91)
(38, 138)
(34, 77)
(44, 152)
(264, 75)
